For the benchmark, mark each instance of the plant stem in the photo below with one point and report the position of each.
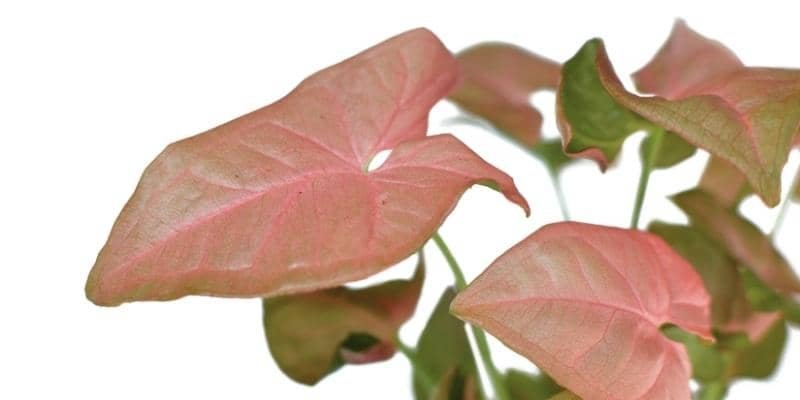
(647, 166)
(562, 202)
(785, 206)
(417, 368)
(495, 377)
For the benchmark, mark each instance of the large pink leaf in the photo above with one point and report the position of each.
(498, 81)
(586, 303)
(281, 201)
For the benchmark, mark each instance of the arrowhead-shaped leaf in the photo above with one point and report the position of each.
(281, 200)
(525, 386)
(730, 308)
(312, 334)
(444, 352)
(748, 117)
(585, 303)
(498, 81)
(741, 239)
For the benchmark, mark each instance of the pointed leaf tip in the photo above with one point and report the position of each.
(280, 201)
(585, 303)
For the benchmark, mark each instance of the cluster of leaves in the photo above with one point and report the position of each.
(281, 204)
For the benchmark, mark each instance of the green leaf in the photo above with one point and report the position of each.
(444, 352)
(712, 391)
(593, 124)
(762, 358)
(671, 151)
(526, 386)
(311, 335)
(565, 395)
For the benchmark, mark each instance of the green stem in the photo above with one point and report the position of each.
(495, 377)
(647, 167)
(562, 201)
(418, 369)
(785, 205)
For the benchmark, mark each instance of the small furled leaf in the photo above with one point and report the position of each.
(525, 386)
(312, 334)
(730, 309)
(281, 200)
(565, 395)
(455, 387)
(444, 352)
(498, 81)
(726, 183)
(748, 117)
(741, 239)
(585, 303)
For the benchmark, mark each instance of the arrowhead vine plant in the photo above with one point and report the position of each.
(282, 204)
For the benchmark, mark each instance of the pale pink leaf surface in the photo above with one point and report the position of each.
(498, 81)
(585, 303)
(281, 201)
(686, 60)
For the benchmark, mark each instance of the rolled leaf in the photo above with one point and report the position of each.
(444, 352)
(498, 81)
(525, 386)
(312, 334)
(585, 303)
(741, 239)
(282, 201)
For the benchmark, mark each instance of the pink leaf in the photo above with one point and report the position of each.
(585, 303)
(281, 201)
(685, 61)
(498, 81)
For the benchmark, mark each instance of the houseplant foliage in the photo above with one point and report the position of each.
(284, 204)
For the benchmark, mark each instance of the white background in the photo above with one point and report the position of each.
(90, 93)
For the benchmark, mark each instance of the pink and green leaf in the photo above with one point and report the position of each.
(282, 200)
(741, 239)
(725, 182)
(730, 309)
(748, 117)
(585, 303)
(311, 335)
(498, 81)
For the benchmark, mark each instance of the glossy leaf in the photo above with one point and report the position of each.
(312, 334)
(725, 182)
(730, 308)
(741, 239)
(585, 304)
(526, 386)
(282, 201)
(443, 350)
(498, 81)
(748, 117)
